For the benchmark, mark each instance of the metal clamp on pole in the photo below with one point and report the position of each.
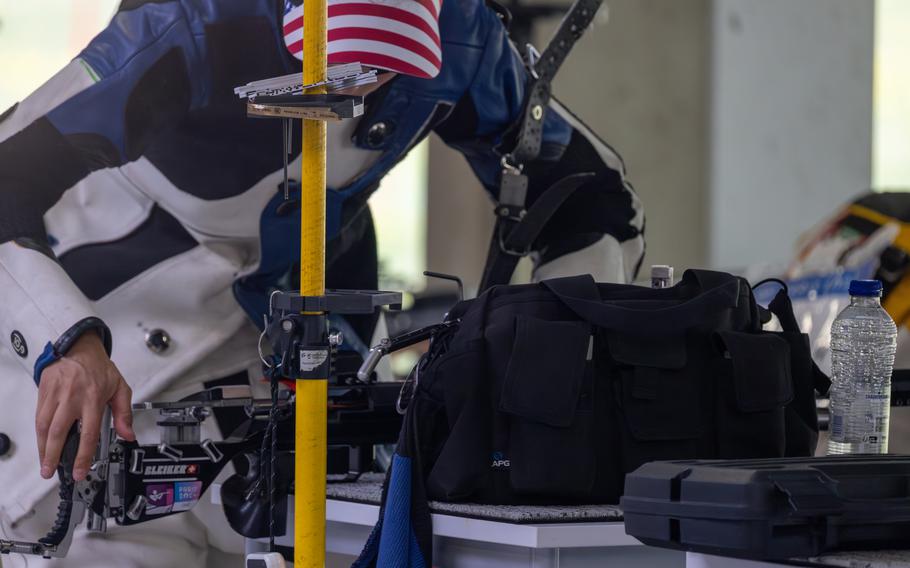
(301, 342)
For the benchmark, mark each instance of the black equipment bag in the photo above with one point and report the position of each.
(550, 393)
(774, 508)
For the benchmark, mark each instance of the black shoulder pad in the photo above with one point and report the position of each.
(28, 186)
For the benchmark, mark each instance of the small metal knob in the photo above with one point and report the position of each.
(212, 451)
(377, 133)
(137, 507)
(158, 341)
(136, 458)
(336, 339)
(170, 452)
(96, 523)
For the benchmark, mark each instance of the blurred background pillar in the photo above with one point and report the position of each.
(791, 121)
(741, 122)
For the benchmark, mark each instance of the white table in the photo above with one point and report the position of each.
(473, 543)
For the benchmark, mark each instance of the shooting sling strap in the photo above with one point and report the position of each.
(516, 226)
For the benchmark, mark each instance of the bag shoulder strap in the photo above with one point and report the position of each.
(782, 307)
(513, 185)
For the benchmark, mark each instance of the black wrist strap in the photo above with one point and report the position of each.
(70, 336)
(54, 351)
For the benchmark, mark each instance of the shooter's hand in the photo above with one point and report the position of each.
(77, 387)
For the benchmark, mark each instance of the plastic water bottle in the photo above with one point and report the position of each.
(863, 341)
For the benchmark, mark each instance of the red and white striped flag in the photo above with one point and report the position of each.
(397, 35)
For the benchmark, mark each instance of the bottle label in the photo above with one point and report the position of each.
(867, 428)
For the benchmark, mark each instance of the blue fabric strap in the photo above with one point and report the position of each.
(393, 542)
(398, 544)
(48, 356)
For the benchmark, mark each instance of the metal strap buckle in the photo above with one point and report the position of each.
(533, 56)
(509, 167)
(509, 213)
(510, 252)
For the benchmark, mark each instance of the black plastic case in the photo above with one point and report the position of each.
(773, 508)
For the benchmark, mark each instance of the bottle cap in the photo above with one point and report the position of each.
(662, 271)
(868, 288)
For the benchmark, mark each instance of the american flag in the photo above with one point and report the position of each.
(397, 35)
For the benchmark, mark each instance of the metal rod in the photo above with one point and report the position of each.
(286, 134)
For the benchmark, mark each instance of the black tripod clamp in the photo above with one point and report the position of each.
(298, 328)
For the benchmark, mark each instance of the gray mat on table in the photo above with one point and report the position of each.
(369, 490)
(867, 559)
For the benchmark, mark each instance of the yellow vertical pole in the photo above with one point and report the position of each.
(312, 395)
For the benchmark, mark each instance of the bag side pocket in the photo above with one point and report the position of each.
(457, 383)
(547, 395)
(754, 385)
